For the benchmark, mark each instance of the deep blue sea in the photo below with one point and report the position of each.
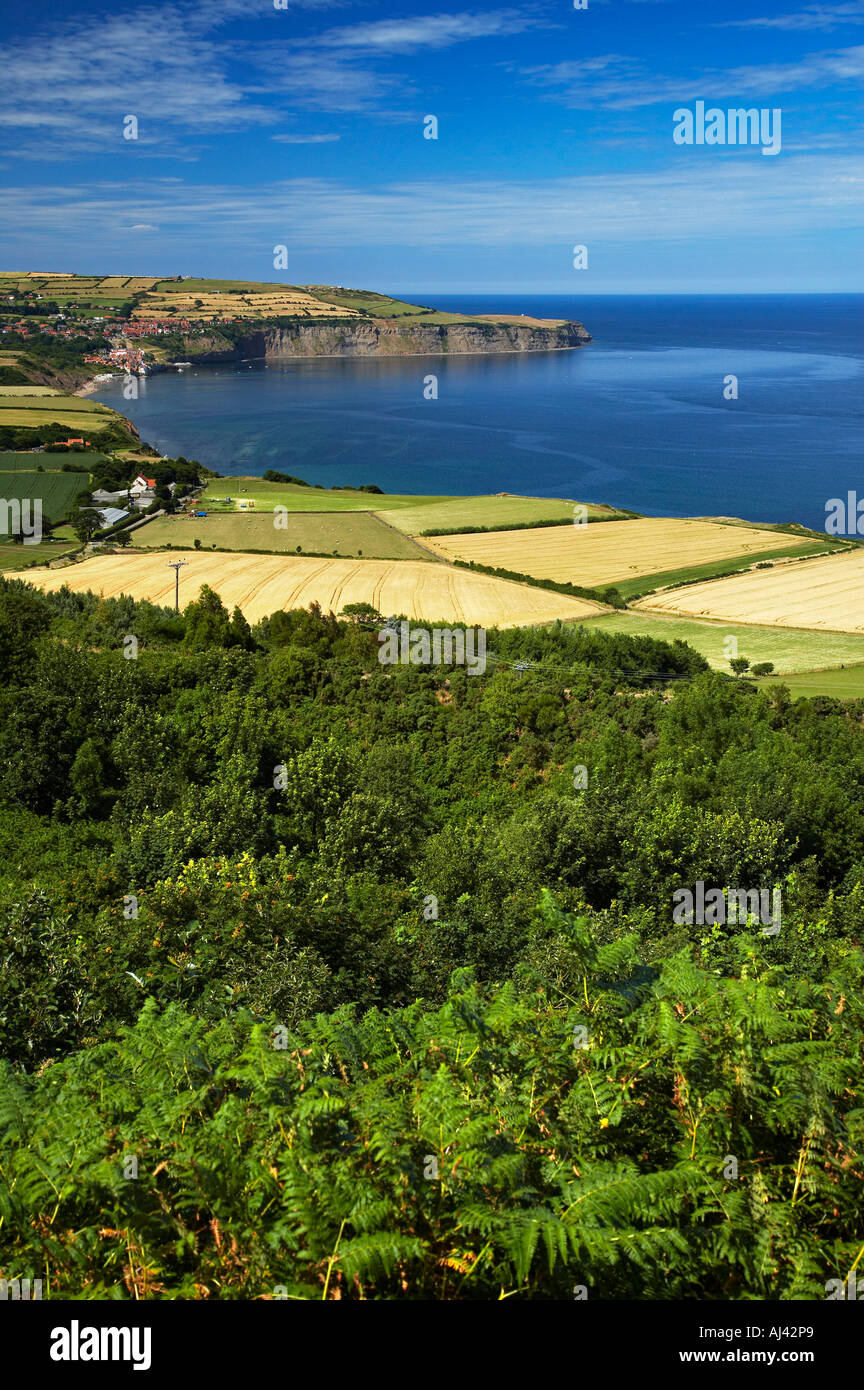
(637, 418)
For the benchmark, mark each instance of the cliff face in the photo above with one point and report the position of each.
(390, 338)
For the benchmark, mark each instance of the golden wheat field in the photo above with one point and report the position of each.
(610, 551)
(825, 593)
(261, 584)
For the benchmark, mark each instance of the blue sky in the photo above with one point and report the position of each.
(303, 126)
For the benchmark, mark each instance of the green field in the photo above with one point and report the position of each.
(844, 684)
(27, 461)
(365, 301)
(791, 649)
(411, 513)
(214, 286)
(324, 533)
(28, 391)
(57, 491)
(21, 409)
(266, 496)
(40, 399)
(15, 557)
(458, 512)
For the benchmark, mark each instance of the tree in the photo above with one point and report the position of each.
(207, 622)
(87, 780)
(122, 538)
(762, 668)
(739, 665)
(86, 524)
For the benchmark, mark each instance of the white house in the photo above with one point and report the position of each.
(142, 485)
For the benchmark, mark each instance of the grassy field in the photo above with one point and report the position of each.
(57, 492)
(261, 584)
(44, 398)
(846, 684)
(197, 286)
(27, 391)
(27, 461)
(28, 407)
(616, 552)
(18, 557)
(716, 569)
(826, 593)
(366, 302)
(409, 512)
(266, 496)
(790, 649)
(337, 533)
(457, 512)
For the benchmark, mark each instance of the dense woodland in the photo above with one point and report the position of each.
(324, 979)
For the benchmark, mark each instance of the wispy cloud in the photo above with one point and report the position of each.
(813, 17)
(428, 31)
(696, 199)
(305, 139)
(616, 81)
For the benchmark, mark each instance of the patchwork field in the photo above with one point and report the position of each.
(826, 593)
(275, 301)
(261, 584)
(790, 649)
(619, 551)
(23, 406)
(336, 533)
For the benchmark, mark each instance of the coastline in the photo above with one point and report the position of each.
(89, 387)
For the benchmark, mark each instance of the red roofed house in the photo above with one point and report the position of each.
(141, 485)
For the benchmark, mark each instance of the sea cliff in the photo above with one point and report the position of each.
(384, 338)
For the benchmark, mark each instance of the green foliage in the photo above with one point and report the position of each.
(239, 838)
(479, 1150)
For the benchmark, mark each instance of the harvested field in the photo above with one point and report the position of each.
(614, 550)
(337, 533)
(261, 584)
(826, 594)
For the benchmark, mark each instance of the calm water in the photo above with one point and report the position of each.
(637, 418)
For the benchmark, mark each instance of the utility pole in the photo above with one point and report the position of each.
(176, 566)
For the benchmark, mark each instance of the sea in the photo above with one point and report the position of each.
(747, 406)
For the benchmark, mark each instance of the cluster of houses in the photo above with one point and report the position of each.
(138, 495)
(128, 359)
(149, 328)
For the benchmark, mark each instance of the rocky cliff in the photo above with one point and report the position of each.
(386, 338)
